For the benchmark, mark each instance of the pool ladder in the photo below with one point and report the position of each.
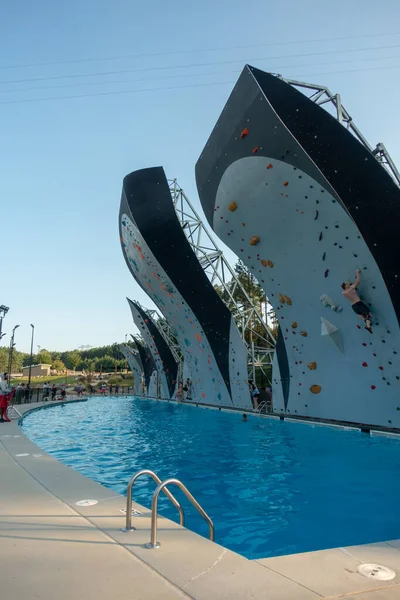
(162, 487)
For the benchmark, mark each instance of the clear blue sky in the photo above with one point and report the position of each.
(63, 161)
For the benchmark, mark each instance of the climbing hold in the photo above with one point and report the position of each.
(243, 224)
(332, 333)
(255, 150)
(312, 366)
(244, 133)
(294, 325)
(328, 302)
(320, 236)
(288, 300)
(324, 256)
(254, 240)
(316, 215)
(364, 364)
(281, 299)
(270, 263)
(285, 183)
(269, 166)
(232, 207)
(326, 273)
(381, 368)
(146, 320)
(263, 262)
(373, 387)
(315, 389)
(304, 333)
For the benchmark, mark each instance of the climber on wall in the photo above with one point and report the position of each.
(361, 309)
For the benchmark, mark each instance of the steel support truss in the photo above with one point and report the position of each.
(321, 95)
(221, 274)
(166, 331)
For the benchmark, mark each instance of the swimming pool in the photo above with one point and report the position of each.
(271, 487)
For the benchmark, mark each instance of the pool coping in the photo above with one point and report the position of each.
(190, 563)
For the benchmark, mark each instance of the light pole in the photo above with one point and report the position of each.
(3, 311)
(30, 362)
(10, 356)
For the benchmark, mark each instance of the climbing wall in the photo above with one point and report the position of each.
(162, 262)
(163, 359)
(304, 204)
(149, 368)
(135, 365)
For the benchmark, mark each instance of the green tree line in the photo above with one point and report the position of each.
(104, 358)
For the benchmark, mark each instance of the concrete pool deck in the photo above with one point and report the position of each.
(50, 547)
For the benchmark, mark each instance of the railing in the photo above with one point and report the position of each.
(154, 504)
(128, 522)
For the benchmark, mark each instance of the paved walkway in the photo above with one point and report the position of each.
(52, 548)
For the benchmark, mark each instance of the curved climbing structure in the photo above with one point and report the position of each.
(163, 358)
(149, 368)
(161, 260)
(135, 365)
(304, 204)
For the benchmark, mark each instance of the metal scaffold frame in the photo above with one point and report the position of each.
(166, 331)
(322, 95)
(219, 272)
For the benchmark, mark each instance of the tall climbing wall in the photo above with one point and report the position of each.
(304, 204)
(135, 365)
(164, 361)
(162, 262)
(149, 368)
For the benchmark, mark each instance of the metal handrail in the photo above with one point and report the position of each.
(154, 503)
(260, 406)
(128, 522)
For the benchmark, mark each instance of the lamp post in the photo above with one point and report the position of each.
(30, 362)
(10, 356)
(3, 311)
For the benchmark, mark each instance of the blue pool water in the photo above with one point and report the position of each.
(271, 487)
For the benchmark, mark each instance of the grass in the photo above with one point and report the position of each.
(41, 380)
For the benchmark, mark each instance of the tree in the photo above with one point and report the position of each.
(71, 359)
(44, 357)
(58, 365)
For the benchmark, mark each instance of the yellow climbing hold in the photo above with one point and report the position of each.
(281, 299)
(270, 263)
(232, 207)
(304, 333)
(312, 366)
(288, 300)
(315, 389)
(263, 262)
(294, 325)
(254, 240)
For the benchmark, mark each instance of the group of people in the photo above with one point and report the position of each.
(50, 391)
(258, 396)
(184, 391)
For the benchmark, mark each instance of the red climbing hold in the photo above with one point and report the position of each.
(244, 133)
(373, 387)
(286, 183)
(269, 166)
(255, 150)
(365, 364)
(358, 326)
(364, 344)
(381, 368)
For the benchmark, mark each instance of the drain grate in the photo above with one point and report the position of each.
(376, 572)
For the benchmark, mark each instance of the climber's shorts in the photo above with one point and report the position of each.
(361, 309)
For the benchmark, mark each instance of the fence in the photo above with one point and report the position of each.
(26, 396)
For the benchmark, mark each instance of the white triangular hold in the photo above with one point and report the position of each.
(332, 333)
